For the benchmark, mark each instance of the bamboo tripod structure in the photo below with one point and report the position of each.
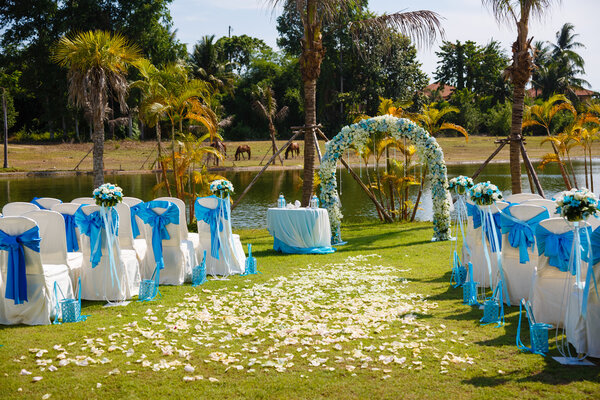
(534, 181)
(314, 130)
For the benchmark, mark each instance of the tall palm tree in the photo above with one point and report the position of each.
(431, 119)
(542, 115)
(265, 105)
(518, 12)
(423, 26)
(207, 66)
(97, 63)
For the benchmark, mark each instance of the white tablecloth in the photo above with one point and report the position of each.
(300, 230)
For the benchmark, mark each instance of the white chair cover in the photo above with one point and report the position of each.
(521, 197)
(74, 258)
(592, 321)
(126, 239)
(232, 259)
(176, 255)
(519, 277)
(18, 208)
(37, 310)
(96, 283)
(550, 205)
(190, 240)
(552, 288)
(84, 200)
(47, 202)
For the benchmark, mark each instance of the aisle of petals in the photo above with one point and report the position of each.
(350, 316)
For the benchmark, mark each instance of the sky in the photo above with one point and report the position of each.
(462, 20)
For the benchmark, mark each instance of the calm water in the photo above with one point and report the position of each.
(251, 212)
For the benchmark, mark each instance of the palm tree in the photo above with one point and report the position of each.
(431, 120)
(518, 12)
(542, 115)
(423, 26)
(97, 63)
(207, 67)
(565, 55)
(265, 105)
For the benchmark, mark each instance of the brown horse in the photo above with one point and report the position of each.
(239, 153)
(293, 147)
(219, 146)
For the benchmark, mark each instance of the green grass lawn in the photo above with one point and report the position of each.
(376, 319)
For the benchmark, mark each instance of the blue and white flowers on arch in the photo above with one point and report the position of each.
(427, 148)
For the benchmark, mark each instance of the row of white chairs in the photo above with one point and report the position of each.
(549, 289)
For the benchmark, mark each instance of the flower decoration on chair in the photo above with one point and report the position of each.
(108, 195)
(357, 134)
(485, 194)
(221, 188)
(577, 204)
(461, 184)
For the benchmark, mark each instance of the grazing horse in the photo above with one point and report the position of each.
(293, 147)
(219, 146)
(239, 153)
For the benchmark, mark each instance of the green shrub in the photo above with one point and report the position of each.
(499, 119)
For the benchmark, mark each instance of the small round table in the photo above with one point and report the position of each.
(300, 230)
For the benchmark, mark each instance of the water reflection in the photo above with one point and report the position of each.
(251, 213)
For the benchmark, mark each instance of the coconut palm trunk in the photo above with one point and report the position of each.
(515, 138)
(310, 89)
(98, 153)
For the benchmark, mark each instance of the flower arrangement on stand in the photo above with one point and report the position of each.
(222, 188)
(461, 184)
(577, 204)
(485, 194)
(357, 134)
(108, 195)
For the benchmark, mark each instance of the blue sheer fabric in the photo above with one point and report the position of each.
(279, 245)
(70, 227)
(35, 201)
(92, 226)
(557, 247)
(211, 216)
(477, 214)
(158, 223)
(521, 234)
(16, 274)
(595, 238)
(135, 210)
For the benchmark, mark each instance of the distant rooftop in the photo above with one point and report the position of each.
(446, 91)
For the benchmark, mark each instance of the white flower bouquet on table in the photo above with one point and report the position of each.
(108, 195)
(485, 194)
(461, 184)
(221, 188)
(577, 204)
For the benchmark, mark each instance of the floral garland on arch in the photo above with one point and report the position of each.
(427, 148)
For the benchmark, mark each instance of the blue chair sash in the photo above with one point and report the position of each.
(70, 227)
(92, 226)
(135, 210)
(557, 247)
(477, 214)
(595, 239)
(474, 212)
(212, 218)
(16, 275)
(521, 234)
(159, 225)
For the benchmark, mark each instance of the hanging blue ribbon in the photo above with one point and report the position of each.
(595, 239)
(477, 214)
(159, 223)
(212, 218)
(91, 226)
(35, 201)
(521, 234)
(135, 210)
(70, 227)
(16, 274)
(474, 212)
(557, 247)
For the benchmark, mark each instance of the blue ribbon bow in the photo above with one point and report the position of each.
(521, 234)
(92, 226)
(16, 275)
(70, 226)
(212, 217)
(557, 247)
(135, 210)
(595, 239)
(477, 214)
(159, 225)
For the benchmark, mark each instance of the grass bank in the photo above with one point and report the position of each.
(376, 319)
(129, 155)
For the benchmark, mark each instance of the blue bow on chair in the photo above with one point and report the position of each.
(70, 226)
(557, 247)
(476, 213)
(16, 275)
(159, 223)
(595, 238)
(212, 218)
(135, 210)
(92, 226)
(521, 234)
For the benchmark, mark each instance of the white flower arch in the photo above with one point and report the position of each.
(357, 134)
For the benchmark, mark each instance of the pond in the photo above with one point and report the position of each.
(251, 212)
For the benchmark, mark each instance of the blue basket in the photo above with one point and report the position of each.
(491, 312)
(70, 309)
(149, 287)
(470, 293)
(538, 331)
(251, 268)
(199, 272)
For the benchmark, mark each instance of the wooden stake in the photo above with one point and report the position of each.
(503, 143)
(529, 165)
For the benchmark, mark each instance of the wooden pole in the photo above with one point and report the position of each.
(529, 165)
(503, 143)
(5, 114)
(317, 145)
(263, 170)
(79, 163)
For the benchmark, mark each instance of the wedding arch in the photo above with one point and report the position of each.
(357, 134)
